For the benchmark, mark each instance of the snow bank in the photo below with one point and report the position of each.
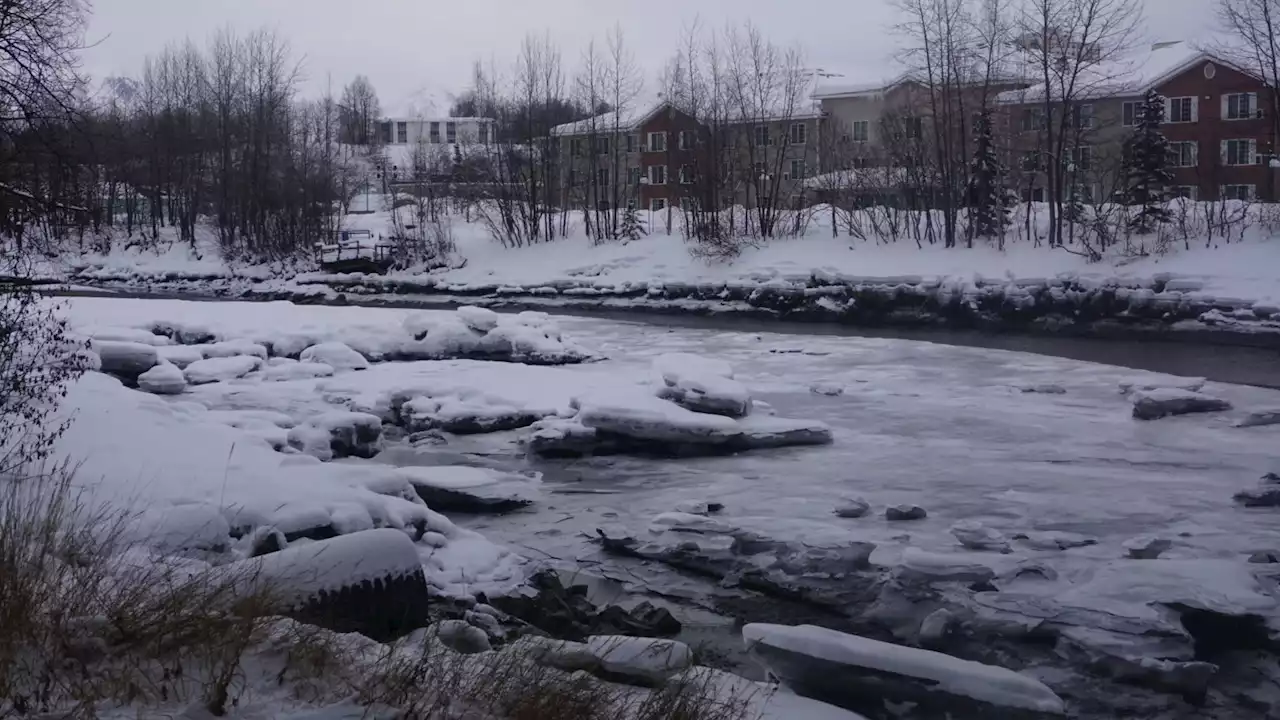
(285, 329)
(141, 452)
(942, 673)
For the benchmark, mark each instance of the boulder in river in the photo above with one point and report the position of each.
(338, 434)
(125, 360)
(852, 508)
(1164, 402)
(901, 513)
(702, 385)
(976, 536)
(472, 490)
(1266, 494)
(163, 379)
(1147, 547)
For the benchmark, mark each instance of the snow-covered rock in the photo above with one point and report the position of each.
(1146, 547)
(478, 318)
(163, 379)
(233, 348)
(370, 582)
(1044, 389)
(1163, 402)
(929, 567)
(1266, 494)
(869, 676)
(828, 389)
(976, 536)
(702, 385)
(463, 412)
(294, 370)
(646, 421)
(338, 434)
(530, 338)
(178, 528)
(462, 637)
(852, 508)
(472, 490)
(645, 661)
(218, 369)
(560, 654)
(561, 437)
(126, 360)
(693, 507)
(120, 334)
(336, 355)
(900, 513)
(1260, 418)
(180, 355)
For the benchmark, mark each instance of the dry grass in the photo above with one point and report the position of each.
(88, 621)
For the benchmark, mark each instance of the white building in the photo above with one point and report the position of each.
(437, 131)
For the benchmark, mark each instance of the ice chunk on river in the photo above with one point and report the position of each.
(1163, 402)
(221, 368)
(842, 669)
(163, 379)
(336, 355)
(702, 385)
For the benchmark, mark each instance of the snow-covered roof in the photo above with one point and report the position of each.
(841, 90)
(1132, 76)
(422, 118)
(625, 119)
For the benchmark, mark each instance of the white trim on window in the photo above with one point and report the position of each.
(657, 174)
(657, 204)
(1190, 192)
(861, 131)
(656, 142)
(1130, 113)
(796, 170)
(799, 133)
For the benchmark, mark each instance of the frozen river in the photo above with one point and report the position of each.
(1024, 444)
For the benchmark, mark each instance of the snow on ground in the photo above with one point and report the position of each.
(1239, 270)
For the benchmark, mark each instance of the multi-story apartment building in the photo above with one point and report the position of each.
(1221, 143)
(654, 158)
(437, 131)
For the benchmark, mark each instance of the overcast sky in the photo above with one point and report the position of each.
(419, 53)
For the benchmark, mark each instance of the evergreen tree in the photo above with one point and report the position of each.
(988, 197)
(1147, 171)
(631, 227)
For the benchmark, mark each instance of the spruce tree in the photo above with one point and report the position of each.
(988, 197)
(631, 228)
(1147, 171)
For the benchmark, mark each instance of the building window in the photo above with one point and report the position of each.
(1031, 161)
(602, 205)
(799, 133)
(602, 177)
(483, 133)
(1186, 192)
(1032, 120)
(433, 132)
(402, 133)
(1131, 114)
(1181, 110)
(860, 162)
(758, 170)
(1184, 154)
(631, 143)
(634, 174)
(573, 177)
(1079, 159)
(1082, 117)
(657, 142)
(797, 169)
(763, 138)
(451, 132)
(657, 204)
(385, 129)
(861, 131)
(602, 146)
(1237, 192)
(684, 140)
(1240, 106)
(1239, 152)
(913, 128)
(657, 174)
(686, 174)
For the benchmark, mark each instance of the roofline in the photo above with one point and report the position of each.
(657, 108)
(1200, 57)
(902, 80)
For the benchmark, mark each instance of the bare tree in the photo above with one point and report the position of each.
(360, 112)
(1075, 49)
(1252, 26)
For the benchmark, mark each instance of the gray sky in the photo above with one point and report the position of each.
(418, 53)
